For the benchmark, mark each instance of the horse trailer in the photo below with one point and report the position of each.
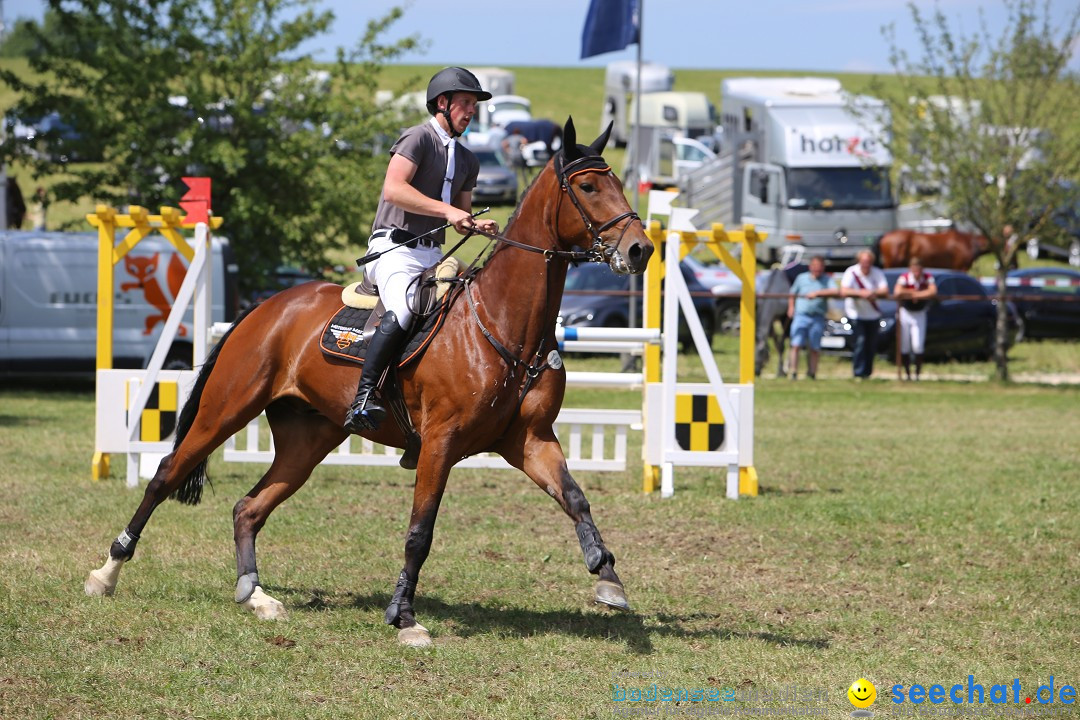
(804, 162)
(620, 81)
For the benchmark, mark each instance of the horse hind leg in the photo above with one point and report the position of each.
(181, 472)
(301, 442)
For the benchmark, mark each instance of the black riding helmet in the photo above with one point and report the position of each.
(449, 81)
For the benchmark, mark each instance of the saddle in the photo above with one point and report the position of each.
(349, 330)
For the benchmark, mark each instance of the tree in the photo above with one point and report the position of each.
(159, 89)
(990, 121)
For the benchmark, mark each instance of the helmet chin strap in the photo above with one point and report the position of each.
(446, 114)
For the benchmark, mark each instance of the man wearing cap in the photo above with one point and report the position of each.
(428, 183)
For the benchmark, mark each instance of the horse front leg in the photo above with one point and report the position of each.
(542, 459)
(432, 470)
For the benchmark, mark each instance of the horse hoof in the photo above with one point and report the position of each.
(98, 586)
(416, 636)
(611, 594)
(265, 607)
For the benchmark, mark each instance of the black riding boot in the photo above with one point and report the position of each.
(367, 413)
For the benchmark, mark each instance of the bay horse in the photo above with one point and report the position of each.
(490, 381)
(951, 249)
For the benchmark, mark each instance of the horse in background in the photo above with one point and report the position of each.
(951, 249)
(773, 323)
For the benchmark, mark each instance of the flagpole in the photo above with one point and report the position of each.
(637, 110)
(633, 319)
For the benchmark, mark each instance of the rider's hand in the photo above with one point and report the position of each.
(460, 219)
(488, 226)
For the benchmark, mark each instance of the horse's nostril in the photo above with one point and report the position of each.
(638, 254)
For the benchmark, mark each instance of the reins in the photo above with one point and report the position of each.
(598, 252)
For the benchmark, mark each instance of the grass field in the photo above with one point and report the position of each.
(904, 533)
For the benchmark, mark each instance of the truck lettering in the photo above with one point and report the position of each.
(860, 147)
(72, 298)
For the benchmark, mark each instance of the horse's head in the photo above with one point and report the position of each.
(597, 218)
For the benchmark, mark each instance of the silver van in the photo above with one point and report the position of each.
(48, 301)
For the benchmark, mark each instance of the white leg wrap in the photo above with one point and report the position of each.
(102, 582)
(264, 606)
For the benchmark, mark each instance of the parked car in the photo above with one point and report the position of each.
(496, 183)
(726, 287)
(1047, 300)
(721, 282)
(284, 277)
(955, 328)
(613, 310)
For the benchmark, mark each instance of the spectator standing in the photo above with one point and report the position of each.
(806, 307)
(914, 290)
(512, 147)
(861, 286)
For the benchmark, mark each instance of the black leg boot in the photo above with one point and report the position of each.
(367, 413)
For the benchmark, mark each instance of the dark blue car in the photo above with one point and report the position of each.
(598, 310)
(1047, 301)
(960, 322)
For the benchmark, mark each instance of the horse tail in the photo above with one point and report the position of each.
(190, 491)
(876, 247)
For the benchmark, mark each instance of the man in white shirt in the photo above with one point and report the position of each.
(860, 287)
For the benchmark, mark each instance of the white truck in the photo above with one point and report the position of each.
(620, 81)
(804, 162)
(48, 301)
(676, 136)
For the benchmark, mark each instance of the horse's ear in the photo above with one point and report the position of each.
(569, 139)
(601, 142)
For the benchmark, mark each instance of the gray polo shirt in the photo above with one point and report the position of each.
(422, 145)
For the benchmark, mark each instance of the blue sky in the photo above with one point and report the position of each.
(831, 35)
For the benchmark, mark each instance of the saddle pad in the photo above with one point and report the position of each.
(343, 335)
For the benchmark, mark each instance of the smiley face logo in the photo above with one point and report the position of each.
(862, 693)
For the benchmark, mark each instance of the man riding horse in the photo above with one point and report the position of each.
(429, 181)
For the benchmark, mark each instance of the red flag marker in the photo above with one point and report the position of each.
(196, 201)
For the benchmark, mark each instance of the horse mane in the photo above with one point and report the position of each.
(190, 491)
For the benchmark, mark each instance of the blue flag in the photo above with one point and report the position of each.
(610, 25)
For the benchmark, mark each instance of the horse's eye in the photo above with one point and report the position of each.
(588, 187)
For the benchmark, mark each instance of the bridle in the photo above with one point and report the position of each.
(598, 252)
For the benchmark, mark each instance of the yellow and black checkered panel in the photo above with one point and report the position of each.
(699, 423)
(158, 419)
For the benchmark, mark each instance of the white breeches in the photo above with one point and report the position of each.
(394, 272)
(912, 331)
